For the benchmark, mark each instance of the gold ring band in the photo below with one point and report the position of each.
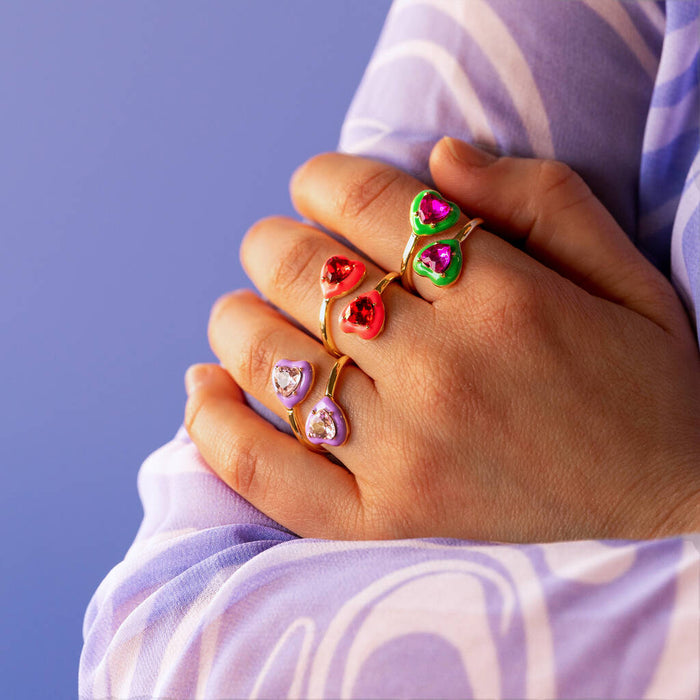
(366, 314)
(339, 276)
(327, 423)
(292, 381)
(440, 261)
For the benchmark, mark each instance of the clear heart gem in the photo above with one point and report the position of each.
(286, 380)
(321, 425)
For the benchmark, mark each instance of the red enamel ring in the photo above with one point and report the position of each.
(365, 314)
(339, 277)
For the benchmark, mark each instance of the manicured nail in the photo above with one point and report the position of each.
(466, 153)
(195, 376)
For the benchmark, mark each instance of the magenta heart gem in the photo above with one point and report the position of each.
(433, 209)
(437, 257)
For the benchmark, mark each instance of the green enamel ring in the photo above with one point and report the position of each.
(431, 213)
(440, 262)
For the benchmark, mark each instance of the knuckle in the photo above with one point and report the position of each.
(255, 361)
(519, 306)
(293, 265)
(559, 187)
(193, 410)
(552, 175)
(512, 308)
(365, 192)
(438, 386)
(432, 383)
(241, 462)
(218, 310)
(521, 292)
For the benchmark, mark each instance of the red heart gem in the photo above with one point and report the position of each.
(364, 315)
(340, 275)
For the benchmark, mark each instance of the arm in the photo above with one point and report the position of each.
(204, 608)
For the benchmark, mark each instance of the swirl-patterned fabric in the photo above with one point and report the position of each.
(216, 600)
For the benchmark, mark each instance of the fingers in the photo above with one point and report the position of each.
(249, 338)
(284, 260)
(369, 203)
(364, 200)
(562, 224)
(270, 469)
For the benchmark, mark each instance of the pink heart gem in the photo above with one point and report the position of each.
(432, 209)
(326, 424)
(437, 258)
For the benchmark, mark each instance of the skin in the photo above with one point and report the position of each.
(552, 393)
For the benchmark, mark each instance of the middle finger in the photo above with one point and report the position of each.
(284, 259)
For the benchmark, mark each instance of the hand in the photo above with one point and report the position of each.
(551, 393)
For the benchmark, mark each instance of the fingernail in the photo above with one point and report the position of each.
(195, 376)
(466, 153)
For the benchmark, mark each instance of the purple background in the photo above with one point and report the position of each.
(139, 141)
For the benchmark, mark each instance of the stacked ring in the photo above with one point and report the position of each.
(441, 261)
(339, 277)
(365, 314)
(292, 381)
(327, 423)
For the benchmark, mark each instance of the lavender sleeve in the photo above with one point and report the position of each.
(215, 600)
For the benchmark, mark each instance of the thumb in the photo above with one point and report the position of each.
(546, 206)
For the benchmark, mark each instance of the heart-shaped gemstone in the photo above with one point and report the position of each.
(440, 262)
(340, 275)
(432, 213)
(432, 209)
(292, 381)
(326, 424)
(437, 257)
(286, 380)
(321, 425)
(364, 315)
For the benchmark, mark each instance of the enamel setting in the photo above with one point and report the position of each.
(432, 213)
(341, 275)
(364, 315)
(291, 381)
(326, 424)
(440, 262)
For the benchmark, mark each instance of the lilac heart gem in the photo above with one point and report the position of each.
(437, 258)
(291, 381)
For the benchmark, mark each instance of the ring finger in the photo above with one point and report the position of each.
(249, 338)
